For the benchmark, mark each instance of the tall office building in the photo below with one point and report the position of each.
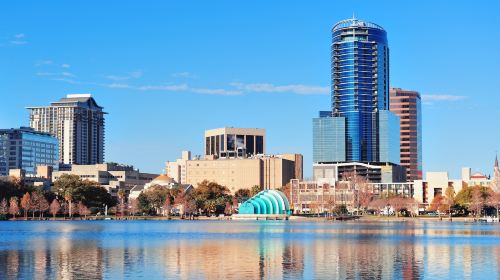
(360, 84)
(78, 122)
(407, 105)
(360, 127)
(23, 148)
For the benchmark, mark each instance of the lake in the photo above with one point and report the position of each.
(248, 250)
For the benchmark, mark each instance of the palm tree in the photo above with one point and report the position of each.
(121, 196)
(68, 197)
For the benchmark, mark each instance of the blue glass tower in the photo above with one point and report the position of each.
(360, 127)
(360, 84)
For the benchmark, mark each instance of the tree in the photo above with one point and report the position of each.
(255, 190)
(439, 203)
(234, 204)
(152, 200)
(211, 197)
(133, 206)
(68, 197)
(83, 210)
(378, 204)
(55, 206)
(228, 210)
(166, 206)
(13, 187)
(4, 207)
(365, 197)
(476, 203)
(35, 203)
(121, 196)
(26, 204)
(242, 195)
(474, 198)
(93, 195)
(360, 185)
(450, 193)
(13, 206)
(494, 201)
(43, 206)
(330, 204)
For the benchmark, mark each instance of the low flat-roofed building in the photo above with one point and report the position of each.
(111, 176)
(322, 195)
(375, 173)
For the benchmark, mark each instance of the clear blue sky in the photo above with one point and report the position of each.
(166, 71)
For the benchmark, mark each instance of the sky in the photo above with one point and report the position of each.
(167, 70)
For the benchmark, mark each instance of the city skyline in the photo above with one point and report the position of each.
(163, 89)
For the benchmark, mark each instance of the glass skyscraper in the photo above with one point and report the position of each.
(360, 83)
(26, 149)
(360, 99)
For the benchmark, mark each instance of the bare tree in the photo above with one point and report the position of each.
(83, 210)
(133, 206)
(4, 207)
(360, 185)
(26, 204)
(166, 207)
(35, 203)
(44, 206)
(477, 201)
(13, 207)
(55, 206)
(494, 201)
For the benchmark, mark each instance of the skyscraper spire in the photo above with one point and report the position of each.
(496, 161)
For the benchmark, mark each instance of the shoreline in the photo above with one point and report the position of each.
(367, 218)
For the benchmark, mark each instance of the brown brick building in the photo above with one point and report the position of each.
(407, 105)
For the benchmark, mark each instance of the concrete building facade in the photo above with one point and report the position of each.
(177, 169)
(407, 105)
(268, 172)
(78, 123)
(111, 176)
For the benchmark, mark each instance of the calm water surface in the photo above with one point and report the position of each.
(248, 250)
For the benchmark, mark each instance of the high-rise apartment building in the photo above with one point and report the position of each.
(360, 127)
(407, 105)
(231, 142)
(27, 150)
(78, 122)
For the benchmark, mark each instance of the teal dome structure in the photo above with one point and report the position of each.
(266, 202)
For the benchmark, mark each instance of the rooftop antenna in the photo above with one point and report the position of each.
(353, 15)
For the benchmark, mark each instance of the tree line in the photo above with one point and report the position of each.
(68, 196)
(207, 198)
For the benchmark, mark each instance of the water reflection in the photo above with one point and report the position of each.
(251, 250)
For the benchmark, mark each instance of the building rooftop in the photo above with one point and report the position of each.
(354, 22)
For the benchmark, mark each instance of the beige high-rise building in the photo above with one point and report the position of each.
(231, 142)
(78, 123)
(177, 169)
(268, 172)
